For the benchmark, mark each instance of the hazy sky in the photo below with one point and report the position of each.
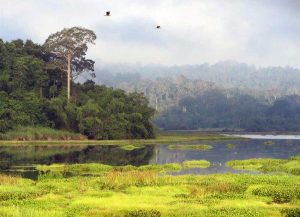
(261, 32)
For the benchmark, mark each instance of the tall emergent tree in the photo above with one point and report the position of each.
(69, 48)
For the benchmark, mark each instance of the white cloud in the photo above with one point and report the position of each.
(261, 32)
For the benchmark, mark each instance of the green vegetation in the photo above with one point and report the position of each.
(33, 93)
(268, 142)
(166, 85)
(40, 133)
(195, 164)
(213, 109)
(191, 147)
(31, 153)
(291, 165)
(145, 192)
(162, 138)
(98, 169)
(230, 146)
(130, 147)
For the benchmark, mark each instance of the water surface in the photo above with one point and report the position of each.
(21, 160)
(267, 136)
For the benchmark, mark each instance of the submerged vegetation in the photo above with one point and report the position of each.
(230, 146)
(268, 142)
(144, 192)
(130, 147)
(200, 147)
(291, 165)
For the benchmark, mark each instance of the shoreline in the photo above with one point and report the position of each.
(161, 139)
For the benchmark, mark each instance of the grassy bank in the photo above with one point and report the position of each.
(25, 134)
(161, 138)
(144, 192)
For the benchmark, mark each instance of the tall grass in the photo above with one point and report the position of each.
(39, 133)
(146, 193)
(13, 136)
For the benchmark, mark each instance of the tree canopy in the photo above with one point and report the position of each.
(34, 94)
(214, 109)
(68, 49)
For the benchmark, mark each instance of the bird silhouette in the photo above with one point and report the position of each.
(158, 27)
(107, 14)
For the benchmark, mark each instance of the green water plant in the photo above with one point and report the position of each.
(100, 169)
(130, 147)
(200, 147)
(195, 164)
(230, 146)
(270, 142)
(291, 165)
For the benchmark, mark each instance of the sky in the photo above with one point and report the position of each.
(260, 32)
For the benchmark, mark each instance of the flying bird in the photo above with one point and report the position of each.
(107, 14)
(158, 27)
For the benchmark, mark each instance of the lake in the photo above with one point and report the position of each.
(21, 160)
(267, 136)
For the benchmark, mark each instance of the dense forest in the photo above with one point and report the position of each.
(165, 86)
(33, 93)
(214, 109)
(222, 96)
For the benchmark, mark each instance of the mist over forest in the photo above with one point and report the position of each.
(226, 95)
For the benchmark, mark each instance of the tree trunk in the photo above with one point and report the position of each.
(69, 77)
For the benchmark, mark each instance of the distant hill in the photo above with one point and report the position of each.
(163, 93)
(164, 86)
(214, 110)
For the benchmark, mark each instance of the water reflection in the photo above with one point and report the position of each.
(222, 152)
(21, 159)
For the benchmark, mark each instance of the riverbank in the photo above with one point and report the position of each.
(39, 134)
(162, 138)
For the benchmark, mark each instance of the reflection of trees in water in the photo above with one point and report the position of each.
(117, 156)
(162, 155)
(112, 155)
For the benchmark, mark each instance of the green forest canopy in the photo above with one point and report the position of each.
(214, 109)
(34, 94)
